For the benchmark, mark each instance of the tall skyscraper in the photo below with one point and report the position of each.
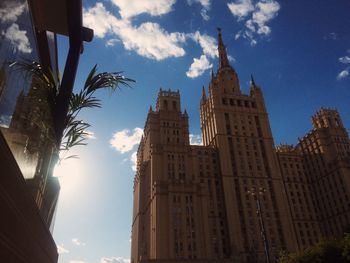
(237, 198)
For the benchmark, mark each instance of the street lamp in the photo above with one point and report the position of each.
(256, 193)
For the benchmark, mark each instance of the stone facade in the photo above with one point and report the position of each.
(316, 174)
(237, 197)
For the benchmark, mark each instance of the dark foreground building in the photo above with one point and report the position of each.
(237, 198)
(28, 141)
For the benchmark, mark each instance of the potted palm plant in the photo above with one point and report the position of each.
(75, 129)
(47, 88)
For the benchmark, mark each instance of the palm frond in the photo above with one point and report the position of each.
(75, 130)
(79, 101)
(76, 126)
(73, 156)
(55, 82)
(90, 76)
(35, 70)
(75, 134)
(107, 80)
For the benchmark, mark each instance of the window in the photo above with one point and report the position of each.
(174, 105)
(23, 101)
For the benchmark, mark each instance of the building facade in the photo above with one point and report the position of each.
(316, 176)
(236, 198)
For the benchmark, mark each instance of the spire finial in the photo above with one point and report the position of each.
(204, 96)
(223, 60)
(252, 82)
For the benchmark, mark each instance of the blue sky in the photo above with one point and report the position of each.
(298, 52)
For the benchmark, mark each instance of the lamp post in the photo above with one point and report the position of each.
(256, 193)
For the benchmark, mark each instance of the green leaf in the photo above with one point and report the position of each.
(75, 130)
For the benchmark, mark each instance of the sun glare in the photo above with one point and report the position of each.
(70, 173)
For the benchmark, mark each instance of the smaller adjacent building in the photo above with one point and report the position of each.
(316, 175)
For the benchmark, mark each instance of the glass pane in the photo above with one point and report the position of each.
(25, 116)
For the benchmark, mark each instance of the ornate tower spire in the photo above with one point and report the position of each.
(252, 82)
(204, 96)
(223, 60)
(253, 86)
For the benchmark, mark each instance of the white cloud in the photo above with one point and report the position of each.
(253, 42)
(149, 40)
(247, 34)
(250, 25)
(204, 3)
(11, 11)
(18, 38)
(77, 261)
(77, 242)
(111, 42)
(343, 74)
(125, 140)
(345, 60)
(205, 7)
(230, 58)
(207, 43)
(62, 250)
(133, 160)
(196, 139)
(264, 12)
(209, 47)
(204, 14)
(100, 20)
(261, 13)
(241, 8)
(115, 260)
(198, 67)
(131, 8)
(331, 36)
(152, 41)
(238, 35)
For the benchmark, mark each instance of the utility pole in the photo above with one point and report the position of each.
(256, 193)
